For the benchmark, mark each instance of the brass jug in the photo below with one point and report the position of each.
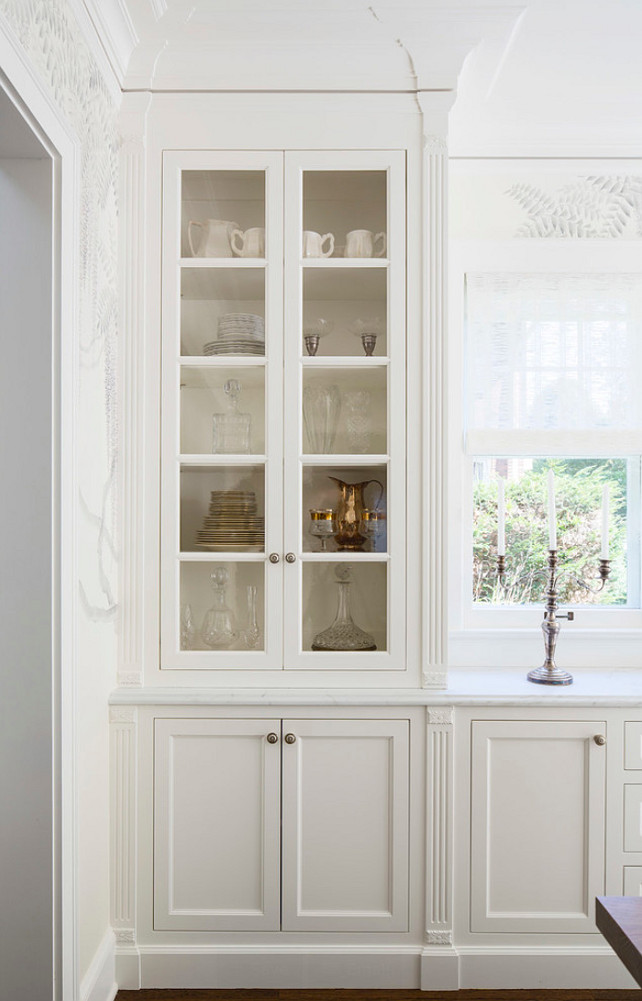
(349, 512)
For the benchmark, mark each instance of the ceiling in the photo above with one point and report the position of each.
(537, 77)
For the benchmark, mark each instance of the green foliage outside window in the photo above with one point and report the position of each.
(578, 491)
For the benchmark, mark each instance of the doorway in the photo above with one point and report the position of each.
(30, 917)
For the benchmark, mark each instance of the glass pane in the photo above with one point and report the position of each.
(345, 606)
(348, 206)
(554, 351)
(213, 399)
(222, 606)
(345, 411)
(222, 311)
(345, 309)
(579, 485)
(222, 509)
(223, 213)
(345, 509)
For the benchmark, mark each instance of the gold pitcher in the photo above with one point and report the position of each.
(349, 512)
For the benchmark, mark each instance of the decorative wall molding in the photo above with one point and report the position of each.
(439, 938)
(132, 325)
(440, 797)
(594, 207)
(441, 717)
(123, 819)
(125, 936)
(435, 506)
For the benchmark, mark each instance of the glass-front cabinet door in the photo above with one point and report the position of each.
(283, 411)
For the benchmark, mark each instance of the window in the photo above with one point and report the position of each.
(551, 358)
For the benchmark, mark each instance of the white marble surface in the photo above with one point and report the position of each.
(465, 688)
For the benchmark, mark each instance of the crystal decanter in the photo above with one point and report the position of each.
(343, 634)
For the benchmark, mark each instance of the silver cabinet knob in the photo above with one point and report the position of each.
(272, 738)
(290, 558)
(273, 557)
(290, 738)
(599, 739)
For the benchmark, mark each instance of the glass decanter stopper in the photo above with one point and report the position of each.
(231, 430)
(188, 629)
(343, 634)
(219, 627)
(252, 634)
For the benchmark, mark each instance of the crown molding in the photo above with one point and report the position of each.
(108, 26)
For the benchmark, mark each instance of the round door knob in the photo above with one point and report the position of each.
(599, 739)
(272, 738)
(289, 738)
(273, 557)
(290, 558)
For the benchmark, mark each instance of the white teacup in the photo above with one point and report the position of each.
(251, 243)
(362, 243)
(313, 244)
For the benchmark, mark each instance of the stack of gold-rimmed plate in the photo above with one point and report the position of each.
(232, 523)
(238, 334)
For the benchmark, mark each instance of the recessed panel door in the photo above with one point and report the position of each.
(216, 823)
(537, 831)
(345, 825)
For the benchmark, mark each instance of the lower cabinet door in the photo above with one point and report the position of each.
(345, 825)
(216, 825)
(537, 825)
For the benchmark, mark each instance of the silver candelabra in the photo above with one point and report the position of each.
(549, 673)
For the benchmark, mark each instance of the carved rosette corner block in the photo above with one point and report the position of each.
(439, 938)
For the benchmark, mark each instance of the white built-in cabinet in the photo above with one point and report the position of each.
(537, 825)
(243, 293)
(291, 824)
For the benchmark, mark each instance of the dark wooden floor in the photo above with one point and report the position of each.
(336, 995)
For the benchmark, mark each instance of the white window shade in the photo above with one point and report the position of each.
(556, 355)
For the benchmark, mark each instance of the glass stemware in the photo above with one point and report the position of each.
(322, 525)
(372, 525)
(367, 330)
(314, 332)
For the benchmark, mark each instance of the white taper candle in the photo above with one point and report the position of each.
(501, 519)
(552, 523)
(605, 523)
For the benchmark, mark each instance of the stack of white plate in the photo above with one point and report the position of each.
(232, 523)
(238, 334)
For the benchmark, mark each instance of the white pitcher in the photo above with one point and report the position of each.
(362, 243)
(250, 243)
(313, 244)
(215, 238)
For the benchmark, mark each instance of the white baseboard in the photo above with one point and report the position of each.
(549, 968)
(377, 967)
(99, 982)
(293, 968)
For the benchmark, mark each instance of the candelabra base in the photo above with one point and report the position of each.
(549, 676)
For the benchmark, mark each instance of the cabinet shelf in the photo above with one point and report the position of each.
(344, 361)
(347, 557)
(334, 459)
(344, 262)
(222, 557)
(222, 262)
(226, 361)
(192, 463)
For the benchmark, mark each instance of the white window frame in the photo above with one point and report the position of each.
(500, 635)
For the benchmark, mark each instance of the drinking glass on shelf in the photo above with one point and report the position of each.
(367, 330)
(358, 425)
(372, 525)
(188, 629)
(314, 332)
(321, 408)
(252, 633)
(322, 525)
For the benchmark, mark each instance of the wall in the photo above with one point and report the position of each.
(59, 57)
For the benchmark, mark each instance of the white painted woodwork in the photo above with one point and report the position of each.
(30, 607)
(345, 825)
(633, 745)
(632, 881)
(217, 816)
(537, 827)
(632, 818)
(123, 727)
(266, 472)
(439, 827)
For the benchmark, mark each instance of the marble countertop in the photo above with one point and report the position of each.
(591, 687)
